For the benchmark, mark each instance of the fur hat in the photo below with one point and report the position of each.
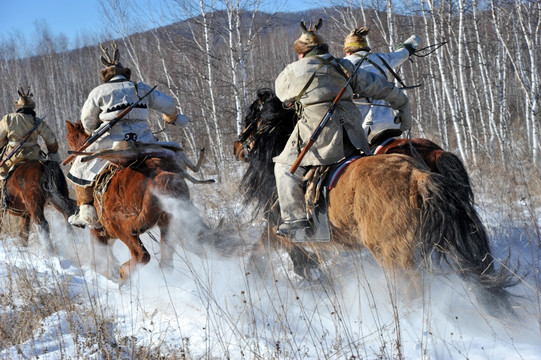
(356, 40)
(112, 65)
(25, 100)
(309, 39)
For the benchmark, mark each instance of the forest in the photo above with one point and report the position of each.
(475, 84)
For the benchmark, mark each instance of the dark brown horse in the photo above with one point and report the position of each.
(30, 187)
(392, 204)
(130, 205)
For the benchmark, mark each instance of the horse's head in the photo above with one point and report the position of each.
(76, 135)
(243, 146)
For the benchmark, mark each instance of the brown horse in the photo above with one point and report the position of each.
(433, 156)
(130, 205)
(392, 204)
(29, 188)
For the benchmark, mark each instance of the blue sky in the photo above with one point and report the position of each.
(73, 17)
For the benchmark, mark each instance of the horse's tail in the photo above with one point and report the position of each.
(450, 230)
(54, 183)
(450, 166)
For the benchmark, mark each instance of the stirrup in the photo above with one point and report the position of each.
(297, 230)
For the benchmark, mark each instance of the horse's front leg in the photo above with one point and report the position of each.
(139, 256)
(44, 232)
(304, 263)
(166, 248)
(103, 259)
(24, 231)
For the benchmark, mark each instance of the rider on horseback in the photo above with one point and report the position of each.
(310, 84)
(15, 127)
(103, 104)
(378, 116)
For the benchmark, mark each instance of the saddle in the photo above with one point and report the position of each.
(140, 156)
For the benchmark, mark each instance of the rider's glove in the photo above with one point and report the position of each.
(176, 119)
(412, 43)
(404, 118)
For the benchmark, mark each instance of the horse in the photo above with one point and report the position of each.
(406, 215)
(430, 154)
(129, 203)
(31, 186)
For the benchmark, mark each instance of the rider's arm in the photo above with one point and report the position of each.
(48, 137)
(90, 114)
(3, 132)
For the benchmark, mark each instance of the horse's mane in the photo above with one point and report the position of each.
(277, 123)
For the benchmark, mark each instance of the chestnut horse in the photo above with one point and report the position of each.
(29, 188)
(129, 206)
(406, 215)
(434, 157)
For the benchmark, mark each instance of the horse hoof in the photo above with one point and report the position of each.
(123, 276)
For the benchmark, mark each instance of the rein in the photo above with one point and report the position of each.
(248, 136)
(433, 48)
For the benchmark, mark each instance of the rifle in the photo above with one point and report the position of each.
(23, 140)
(92, 139)
(323, 122)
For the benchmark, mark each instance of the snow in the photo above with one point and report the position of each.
(214, 304)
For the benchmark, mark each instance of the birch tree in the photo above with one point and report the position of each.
(525, 33)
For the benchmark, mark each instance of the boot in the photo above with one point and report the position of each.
(86, 216)
(297, 230)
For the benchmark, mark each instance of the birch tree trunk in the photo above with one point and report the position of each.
(462, 69)
(446, 84)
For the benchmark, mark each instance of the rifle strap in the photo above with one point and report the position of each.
(392, 71)
(329, 62)
(365, 57)
(297, 101)
(136, 90)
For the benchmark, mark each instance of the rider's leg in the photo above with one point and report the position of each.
(291, 197)
(87, 215)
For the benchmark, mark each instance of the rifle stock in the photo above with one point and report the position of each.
(92, 139)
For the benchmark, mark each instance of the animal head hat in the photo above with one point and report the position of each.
(25, 100)
(309, 38)
(112, 64)
(356, 40)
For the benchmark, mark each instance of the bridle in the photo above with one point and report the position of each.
(255, 129)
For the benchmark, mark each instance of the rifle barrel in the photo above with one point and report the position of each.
(106, 127)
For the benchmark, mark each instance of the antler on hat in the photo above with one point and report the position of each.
(25, 99)
(309, 37)
(112, 64)
(356, 40)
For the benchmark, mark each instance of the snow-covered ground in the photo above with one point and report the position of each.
(214, 305)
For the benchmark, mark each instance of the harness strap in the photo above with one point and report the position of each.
(365, 57)
(297, 101)
(392, 71)
(329, 62)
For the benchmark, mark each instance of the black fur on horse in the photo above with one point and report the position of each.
(468, 254)
(275, 125)
(54, 182)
